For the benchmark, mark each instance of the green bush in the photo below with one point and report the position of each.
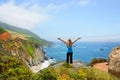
(47, 74)
(67, 65)
(2, 30)
(74, 75)
(95, 74)
(12, 68)
(30, 48)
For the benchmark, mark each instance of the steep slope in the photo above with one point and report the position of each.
(30, 52)
(31, 35)
(12, 68)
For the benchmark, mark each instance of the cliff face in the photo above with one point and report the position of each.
(114, 61)
(29, 52)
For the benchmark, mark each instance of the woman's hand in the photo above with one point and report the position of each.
(58, 38)
(79, 38)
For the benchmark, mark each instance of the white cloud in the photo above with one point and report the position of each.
(52, 8)
(20, 16)
(84, 2)
(56, 8)
(29, 13)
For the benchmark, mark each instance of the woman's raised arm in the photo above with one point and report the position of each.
(61, 40)
(76, 40)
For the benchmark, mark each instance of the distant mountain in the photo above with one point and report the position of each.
(31, 35)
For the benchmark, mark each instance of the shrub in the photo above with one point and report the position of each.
(30, 48)
(82, 74)
(95, 74)
(47, 74)
(12, 68)
(67, 65)
(74, 75)
(97, 60)
(64, 77)
(2, 30)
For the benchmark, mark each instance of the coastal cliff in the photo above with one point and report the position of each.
(19, 46)
(24, 34)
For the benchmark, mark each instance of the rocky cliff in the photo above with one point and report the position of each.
(114, 61)
(31, 53)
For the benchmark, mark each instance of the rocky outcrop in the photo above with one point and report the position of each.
(29, 52)
(5, 36)
(114, 62)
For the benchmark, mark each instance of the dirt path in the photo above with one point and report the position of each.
(101, 66)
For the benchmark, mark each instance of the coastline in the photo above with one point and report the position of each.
(41, 66)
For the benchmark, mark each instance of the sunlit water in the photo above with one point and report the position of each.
(83, 51)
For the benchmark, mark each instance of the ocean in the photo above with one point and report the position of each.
(83, 51)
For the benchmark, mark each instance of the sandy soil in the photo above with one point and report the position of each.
(36, 69)
(101, 66)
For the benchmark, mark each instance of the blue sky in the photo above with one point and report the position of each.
(93, 20)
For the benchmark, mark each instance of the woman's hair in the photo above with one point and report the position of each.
(69, 42)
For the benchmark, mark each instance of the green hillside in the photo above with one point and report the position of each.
(12, 68)
(1, 30)
(31, 35)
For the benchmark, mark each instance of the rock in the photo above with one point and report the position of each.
(114, 62)
(101, 49)
(5, 36)
(51, 57)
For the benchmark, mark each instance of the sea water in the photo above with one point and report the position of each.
(83, 51)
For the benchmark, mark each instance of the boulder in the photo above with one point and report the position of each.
(114, 61)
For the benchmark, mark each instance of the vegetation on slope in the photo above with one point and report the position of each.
(2, 30)
(32, 36)
(30, 48)
(13, 69)
(67, 72)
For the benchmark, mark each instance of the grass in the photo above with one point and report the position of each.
(2, 30)
(12, 68)
(95, 74)
(30, 48)
(67, 65)
(65, 72)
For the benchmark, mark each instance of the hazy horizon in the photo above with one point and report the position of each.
(93, 20)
